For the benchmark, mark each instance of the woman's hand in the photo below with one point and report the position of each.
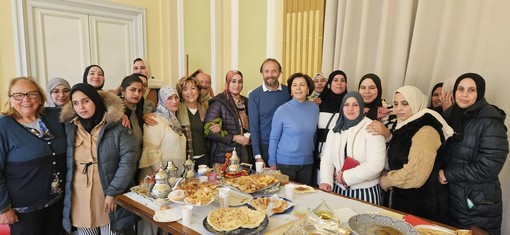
(149, 119)
(442, 177)
(317, 100)
(241, 139)
(384, 183)
(340, 178)
(125, 121)
(109, 204)
(325, 187)
(8, 217)
(215, 128)
(274, 168)
(446, 100)
(377, 128)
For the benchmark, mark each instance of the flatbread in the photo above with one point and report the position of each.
(303, 189)
(227, 219)
(255, 217)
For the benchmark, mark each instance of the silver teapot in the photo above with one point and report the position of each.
(159, 189)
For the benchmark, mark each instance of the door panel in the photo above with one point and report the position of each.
(112, 45)
(62, 45)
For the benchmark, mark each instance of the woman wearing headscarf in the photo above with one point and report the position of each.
(231, 107)
(101, 162)
(156, 152)
(476, 154)
(436, 98)
(32, 161)
(57, 91)
(349, 141)
(94, 75)
(331, 99)
(370, 88)
(415, 156)
(161, 143)
(320, 82)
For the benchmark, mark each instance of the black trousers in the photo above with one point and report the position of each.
(47, 221)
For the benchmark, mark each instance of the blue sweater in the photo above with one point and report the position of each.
(28, 164)
(261, 107)
(293, 133)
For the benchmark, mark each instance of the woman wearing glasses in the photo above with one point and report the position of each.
(57, 91)
(101, 162)
(32, 161)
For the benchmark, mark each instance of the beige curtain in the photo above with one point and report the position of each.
(421, 43)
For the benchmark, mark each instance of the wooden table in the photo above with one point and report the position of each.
(304, 201)
(146, 213)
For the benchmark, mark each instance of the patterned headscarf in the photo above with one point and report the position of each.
(164, 93)
(54, 82)
(343, 123)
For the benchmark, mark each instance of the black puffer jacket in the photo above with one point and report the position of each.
(474, 161)
(220, 107)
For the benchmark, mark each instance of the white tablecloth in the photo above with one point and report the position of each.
(344, 208)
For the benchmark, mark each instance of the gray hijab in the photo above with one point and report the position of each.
(343, 123)
(54, 82)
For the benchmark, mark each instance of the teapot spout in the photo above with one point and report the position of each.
(148, 181)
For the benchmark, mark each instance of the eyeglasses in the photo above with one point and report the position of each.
(19, 96)
(63, 91)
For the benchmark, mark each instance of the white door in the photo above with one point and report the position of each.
(64, 38)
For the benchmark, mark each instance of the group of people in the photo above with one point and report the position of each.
(441, 163)
(62, 165)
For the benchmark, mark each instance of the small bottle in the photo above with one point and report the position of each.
(233, 165)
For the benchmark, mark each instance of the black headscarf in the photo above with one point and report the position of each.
(432, 95)
(343, 123)
(94, 96)
(456, 116)
(86, 73)
(331, 101)
(373, 107)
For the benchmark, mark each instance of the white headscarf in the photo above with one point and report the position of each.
(54, 82)
(163, 94)
(418, 103)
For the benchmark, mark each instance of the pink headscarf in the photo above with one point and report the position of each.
(228, 78)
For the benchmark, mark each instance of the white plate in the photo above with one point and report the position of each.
(236, 198)
(169, 215)
(205, 204)
(373, 223)
(434, 227)
(171, 194)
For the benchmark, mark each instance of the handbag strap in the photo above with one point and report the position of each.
(326, 132)
(353, 141)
